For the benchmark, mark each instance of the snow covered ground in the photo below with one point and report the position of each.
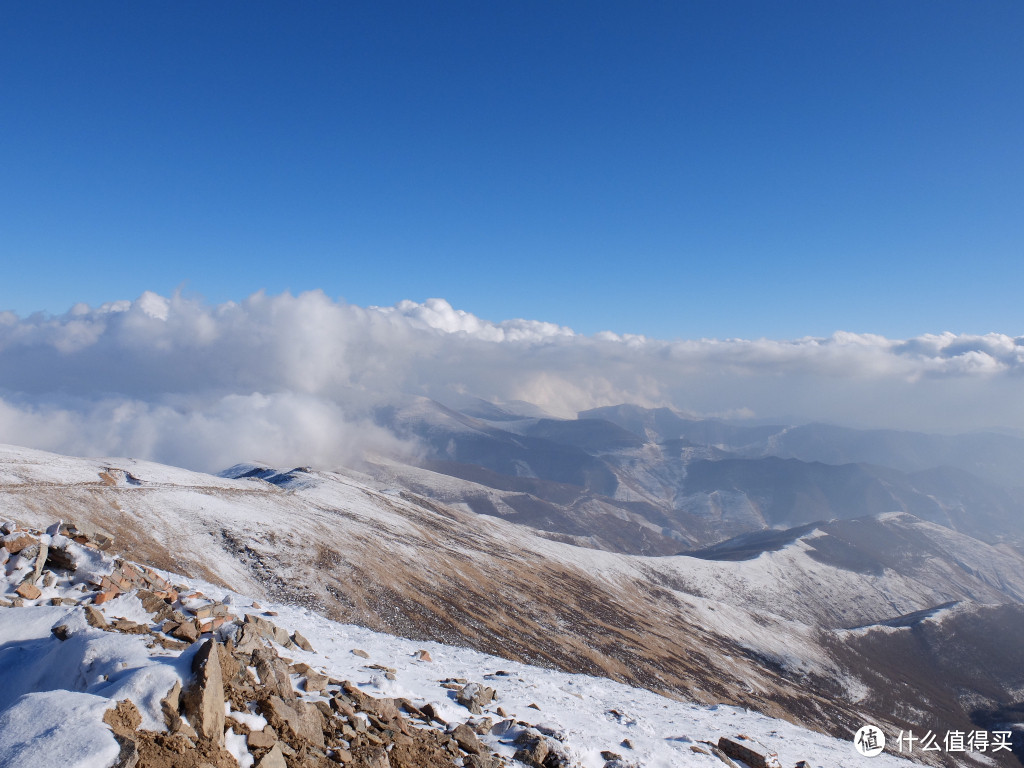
(53, 692)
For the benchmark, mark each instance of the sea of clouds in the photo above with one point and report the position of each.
(294, 379)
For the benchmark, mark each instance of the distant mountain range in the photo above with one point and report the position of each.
(650, 481)
(693, 558)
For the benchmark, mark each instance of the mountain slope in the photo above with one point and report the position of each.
(763, 633)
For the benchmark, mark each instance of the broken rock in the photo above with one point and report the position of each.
(752, 753)
(28, 591)
(467, 739)
(304, 720)
(475, 697)
(16, 542)
(95, 618)
(273, 673)
(273, 759)
(261, 740)
(203, 701)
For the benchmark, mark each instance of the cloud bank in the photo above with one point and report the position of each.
(294, 379)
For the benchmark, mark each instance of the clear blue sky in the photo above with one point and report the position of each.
(677, 169)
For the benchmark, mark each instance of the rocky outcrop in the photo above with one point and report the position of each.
(203, 700)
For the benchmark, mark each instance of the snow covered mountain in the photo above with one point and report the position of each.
(885, 618)
(644, 481)
(103, 665)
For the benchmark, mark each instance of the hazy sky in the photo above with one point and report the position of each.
(677, 169)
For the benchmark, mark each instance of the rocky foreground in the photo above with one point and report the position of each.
(229, 695)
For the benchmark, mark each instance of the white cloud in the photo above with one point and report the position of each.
(292, 379)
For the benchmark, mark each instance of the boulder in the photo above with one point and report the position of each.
(248, 639)
(467, 739)
(475, 697)
(315, 682)
(185, 630)
(532, 752)
(267, 629)
(94, 618)
(203, 700)
(18, 541)
(302, 642)
(261, 740)
(273, 673)
(28, 591)
(273, 759)
(170, 706)
(304, 720)
(751, 752)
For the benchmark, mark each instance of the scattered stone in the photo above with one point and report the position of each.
(422, 655)
(701, 751)
(62, 632)
(94, 618)
(129, 627)
(607, 754)
(361, 653)
(533, 706)
(29, 591)
(302, 642)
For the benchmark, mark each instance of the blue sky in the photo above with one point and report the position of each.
(680, 170)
